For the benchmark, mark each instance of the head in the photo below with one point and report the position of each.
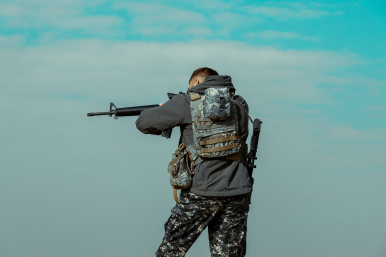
(200, 75)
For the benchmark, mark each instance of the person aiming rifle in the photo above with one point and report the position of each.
(211, 165)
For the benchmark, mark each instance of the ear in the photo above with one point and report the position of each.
(197, 82)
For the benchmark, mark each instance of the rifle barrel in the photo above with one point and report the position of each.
(125, 111)
(98, 113)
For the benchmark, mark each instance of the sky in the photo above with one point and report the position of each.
(77, 186)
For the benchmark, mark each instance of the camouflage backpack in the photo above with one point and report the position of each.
(215, 123)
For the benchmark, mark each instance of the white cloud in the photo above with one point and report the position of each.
(233, 20)
(12, 41)
(56, 15)
(150, 13)
(11, 10)
(270, 34)
(274, 35)
(286, 71)
(196, 31)
(286, 13)
(152, 20)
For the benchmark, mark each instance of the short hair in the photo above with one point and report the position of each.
(203, 72)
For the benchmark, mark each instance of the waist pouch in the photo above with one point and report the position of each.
(181, 168)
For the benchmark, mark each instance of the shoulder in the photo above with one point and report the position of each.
(181, 98)
(182, 105)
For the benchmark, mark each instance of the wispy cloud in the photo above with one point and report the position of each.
(289, 72)
(154, 20)
(12, 41)
(285, 11)
(271, 35)
(149, 13)
(56, 16)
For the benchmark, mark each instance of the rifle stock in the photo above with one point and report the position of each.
(251, 157)
(254, 144)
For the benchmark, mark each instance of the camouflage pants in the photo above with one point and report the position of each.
(225, 217)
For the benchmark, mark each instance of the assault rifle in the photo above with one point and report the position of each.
(131, 111)
(136, 110)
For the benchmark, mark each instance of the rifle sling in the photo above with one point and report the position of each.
(195, 96)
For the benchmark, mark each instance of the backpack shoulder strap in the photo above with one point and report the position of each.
(194, 96)
(193, 109)
(239, 100)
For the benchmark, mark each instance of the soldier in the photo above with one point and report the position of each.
(219, 195)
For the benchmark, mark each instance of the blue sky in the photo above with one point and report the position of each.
(314, 72)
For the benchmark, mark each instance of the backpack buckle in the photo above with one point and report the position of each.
(222, 103)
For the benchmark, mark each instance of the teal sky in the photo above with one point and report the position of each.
(314, 72)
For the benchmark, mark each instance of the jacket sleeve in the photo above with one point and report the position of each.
(171, 114)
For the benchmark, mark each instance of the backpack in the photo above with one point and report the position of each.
(215, 123)
(215, 133)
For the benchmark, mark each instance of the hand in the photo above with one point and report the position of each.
(161, 104)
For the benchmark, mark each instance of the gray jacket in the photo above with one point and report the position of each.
(213, 177)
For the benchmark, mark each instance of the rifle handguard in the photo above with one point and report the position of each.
(133, 111)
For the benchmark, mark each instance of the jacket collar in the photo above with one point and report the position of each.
(213, 81)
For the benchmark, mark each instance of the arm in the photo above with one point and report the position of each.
(165, 117)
